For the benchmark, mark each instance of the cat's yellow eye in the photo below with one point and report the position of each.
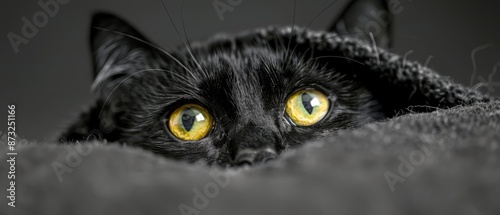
(307, 107)
(190, 122)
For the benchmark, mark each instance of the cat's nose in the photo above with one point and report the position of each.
(255, 156)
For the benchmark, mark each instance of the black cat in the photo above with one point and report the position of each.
(232, 100)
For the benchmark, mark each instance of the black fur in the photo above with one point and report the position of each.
(245, 89)
(244, 82)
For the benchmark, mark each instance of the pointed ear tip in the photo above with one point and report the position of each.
(100, 17)
(106, 20)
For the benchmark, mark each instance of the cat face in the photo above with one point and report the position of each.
(228, 101)
(246, 101)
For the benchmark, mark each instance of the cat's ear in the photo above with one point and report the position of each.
(365, 19)
(117, 48)
(119, 51)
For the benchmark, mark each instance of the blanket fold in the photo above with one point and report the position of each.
(439, 153)
(444, 162)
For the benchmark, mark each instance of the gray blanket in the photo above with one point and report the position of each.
(439, 154)
(444, 162)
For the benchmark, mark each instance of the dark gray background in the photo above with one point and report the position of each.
(49, 78)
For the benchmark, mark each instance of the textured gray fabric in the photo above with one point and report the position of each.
(344, 174)
(443, 162)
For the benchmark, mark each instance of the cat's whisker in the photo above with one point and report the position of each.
(268, 71)
(187, 40)
(147, 43)
(119, 84)
(287, 52)
(311, 22)
(184, 39)
(341, 57)
(279, 41)
(129, 76)
(184, 79)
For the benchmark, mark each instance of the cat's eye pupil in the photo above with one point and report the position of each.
(309, 102)
(188, 118)
(190, 122)
(307, 107)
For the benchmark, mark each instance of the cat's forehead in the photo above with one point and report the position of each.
(244, 56)
(240, 72)
(244, 77)
(221, 66)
